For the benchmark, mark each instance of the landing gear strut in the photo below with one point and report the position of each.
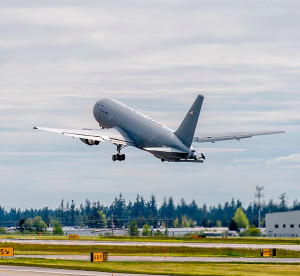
(118, 156)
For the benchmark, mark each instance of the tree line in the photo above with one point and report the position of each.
(120, 213)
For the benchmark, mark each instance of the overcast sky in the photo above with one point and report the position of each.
(57, 58)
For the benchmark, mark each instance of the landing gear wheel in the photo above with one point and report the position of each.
(118, 156)
(162, 160)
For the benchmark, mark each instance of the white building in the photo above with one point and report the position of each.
(283, 224)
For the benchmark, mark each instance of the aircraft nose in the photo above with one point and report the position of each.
(96, 109)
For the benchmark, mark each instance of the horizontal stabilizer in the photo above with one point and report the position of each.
(167, 152)
(164, 149)
(231, 135)
(212, 150)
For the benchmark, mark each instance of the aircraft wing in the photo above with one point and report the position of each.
(115, 135)
(231, 136)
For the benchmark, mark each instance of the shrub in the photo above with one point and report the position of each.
(158, 233)
(2, 231)
(253, 231)
(57, 229)
(146, 230)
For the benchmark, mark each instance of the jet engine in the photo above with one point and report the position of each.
(89, 142)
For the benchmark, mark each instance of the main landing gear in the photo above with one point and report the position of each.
(118, 156)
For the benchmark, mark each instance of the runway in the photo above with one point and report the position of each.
(293, 247)
(25, 271)
(169, 259)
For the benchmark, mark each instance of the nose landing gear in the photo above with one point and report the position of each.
(118, 156)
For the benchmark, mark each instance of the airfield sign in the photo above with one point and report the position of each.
(99, 257)
(268, 252)
(6, 251)
(73, 237)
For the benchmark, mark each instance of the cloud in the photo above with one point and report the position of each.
(290, 160)
(58, 58)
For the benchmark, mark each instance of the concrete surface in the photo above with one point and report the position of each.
(168, 259)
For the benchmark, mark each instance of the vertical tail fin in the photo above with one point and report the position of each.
(186, 130)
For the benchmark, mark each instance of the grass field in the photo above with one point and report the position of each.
(49, 249)
(191, 268)
(166, 268)
(249, 240)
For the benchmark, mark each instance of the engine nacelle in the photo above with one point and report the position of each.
(89, 142)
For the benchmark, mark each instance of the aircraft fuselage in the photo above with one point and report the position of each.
(144, 131)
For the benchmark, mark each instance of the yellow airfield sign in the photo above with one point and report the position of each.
(73, 237)
(268, 252)
(99, 257)
(6, 251)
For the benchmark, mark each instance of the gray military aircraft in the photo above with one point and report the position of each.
(124, 126)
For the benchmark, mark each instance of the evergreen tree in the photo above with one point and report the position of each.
(153, 206)
(144, 212)
(233, 226)
(118, 208)
(153, 212)
(133, 230)
(283, 202)
(45, 215)
(87, 207)
(193, 211)
(170, 212)
(62, 212)
(163, 209)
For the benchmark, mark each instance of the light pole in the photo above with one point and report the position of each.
(259, 195)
